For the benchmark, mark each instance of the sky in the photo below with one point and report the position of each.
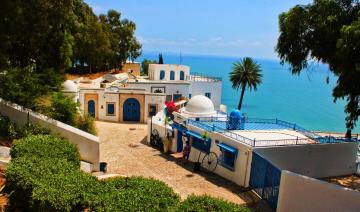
(204, 27)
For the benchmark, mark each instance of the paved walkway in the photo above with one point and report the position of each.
(124, 148)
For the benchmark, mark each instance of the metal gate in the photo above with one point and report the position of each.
(131, 110)
(265, 179)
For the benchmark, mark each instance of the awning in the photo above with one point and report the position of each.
(227, 148)
(178, 127)
(194, 134)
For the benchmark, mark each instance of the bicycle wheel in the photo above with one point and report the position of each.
(210, 161)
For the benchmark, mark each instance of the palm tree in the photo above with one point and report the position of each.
(245, 73)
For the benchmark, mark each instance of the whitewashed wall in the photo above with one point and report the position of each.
(104, 98)
(299, 193)
(88, 144)
(241, 174)
(319, 160)
(200, 88)
(154, 71)
(170, 88)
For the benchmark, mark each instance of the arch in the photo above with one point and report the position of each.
(172, 75)
(131, 110)
(182, 75)
(91, 108)
(162, 74)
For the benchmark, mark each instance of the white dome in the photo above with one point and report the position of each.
(200, 105)
(69, 86)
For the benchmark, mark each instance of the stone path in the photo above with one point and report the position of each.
(124, 148)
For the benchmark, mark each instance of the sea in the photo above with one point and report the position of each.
(305, 99)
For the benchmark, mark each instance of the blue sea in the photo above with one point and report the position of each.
(304, 99)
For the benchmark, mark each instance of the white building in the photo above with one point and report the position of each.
(126, 97)
(254, 152)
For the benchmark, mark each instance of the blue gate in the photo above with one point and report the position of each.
(179, 141)
(131, 110)
(91, 108)
(265, 179)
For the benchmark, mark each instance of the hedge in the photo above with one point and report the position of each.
(46, 147)
(207, 203)
(44, 175)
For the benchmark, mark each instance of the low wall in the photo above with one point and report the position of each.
(88, 144)
(317, 160)
(301, 193)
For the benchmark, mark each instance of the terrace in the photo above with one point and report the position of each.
(266, 132)
(198, 77)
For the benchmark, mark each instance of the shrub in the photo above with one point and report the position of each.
(207, 203)
(63, 108)
(46, 147)
(139, 194)
(85, 123)
(10, 130)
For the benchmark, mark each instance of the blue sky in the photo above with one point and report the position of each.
(208, 27)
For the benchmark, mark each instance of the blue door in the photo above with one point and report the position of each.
(91, 108)
(131, 110)
(179, 141)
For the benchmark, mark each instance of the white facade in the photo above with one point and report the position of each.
(168, 72)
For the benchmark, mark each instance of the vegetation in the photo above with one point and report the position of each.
(44, 175)
(41, 39)
(145, 66)
(206, 203)
(85, 123)
(326, 31)
(161, 60)
(10, 131)
(63, 108)
(245, 73)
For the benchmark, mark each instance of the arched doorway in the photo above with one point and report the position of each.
(131, 110)
(91, 108)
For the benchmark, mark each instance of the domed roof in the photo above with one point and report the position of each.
(200, 105)
(69, 86)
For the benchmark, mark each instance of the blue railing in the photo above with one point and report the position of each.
(218, 124)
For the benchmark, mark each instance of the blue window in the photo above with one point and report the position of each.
(189, 95)
(208, 95)
(110, 109)
(228, 156)
(182, 75)
(172, 75)
(162, 74)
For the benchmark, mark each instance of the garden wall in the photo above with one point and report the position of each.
(88, 144)
(316, 160)
(301, 193)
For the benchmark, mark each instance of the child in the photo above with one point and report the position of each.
(186, 151)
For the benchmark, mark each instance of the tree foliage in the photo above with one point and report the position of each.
(161, 59)
(329, 32)
(245, 73)
(41, 39)
(63, 108)
(145, 65)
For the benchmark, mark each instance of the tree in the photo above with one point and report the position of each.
(245, 73)
(145, 65)
(161, 60)
(326, 31)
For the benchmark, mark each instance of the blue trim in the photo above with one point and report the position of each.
(194, 134)
(227, 148)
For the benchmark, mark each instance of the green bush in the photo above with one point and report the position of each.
(85, 123)
(138, 194)
(63, 108)
(46, 147)
(207, 203)
(10, 130)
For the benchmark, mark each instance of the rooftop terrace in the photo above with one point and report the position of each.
(266, 132)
